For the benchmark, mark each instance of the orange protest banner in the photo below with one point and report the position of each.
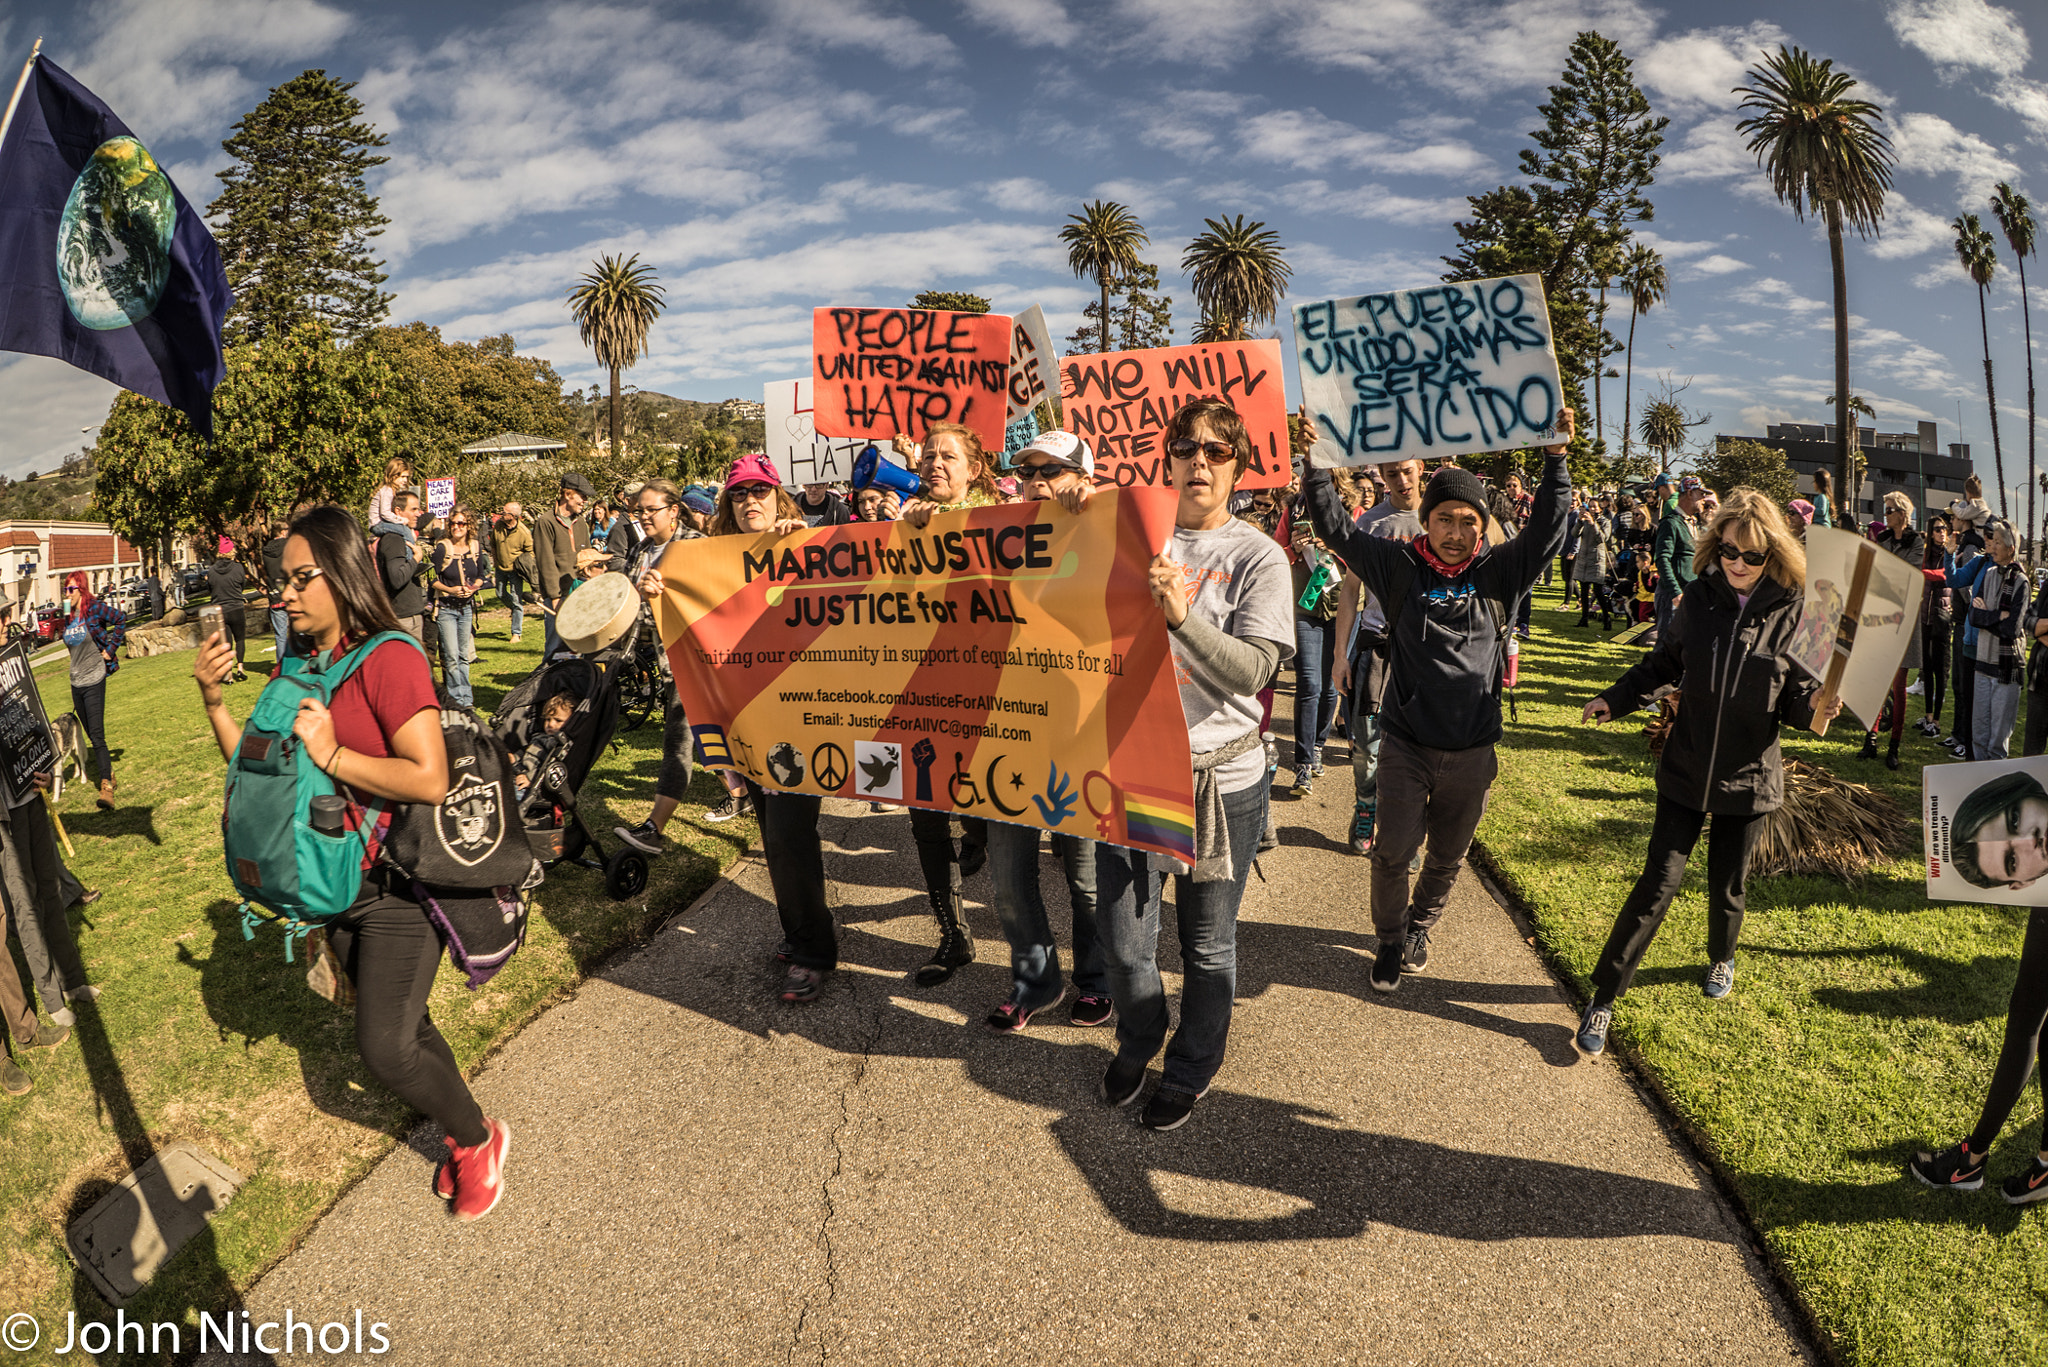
(880, 373)
(1121, 402)
(1004, 662)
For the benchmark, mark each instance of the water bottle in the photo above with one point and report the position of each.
(1322, 575)
(328, 814)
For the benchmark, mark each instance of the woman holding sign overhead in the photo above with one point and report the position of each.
(956, 475)
(1727, 647)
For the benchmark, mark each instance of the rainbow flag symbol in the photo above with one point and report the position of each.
(1161, 821)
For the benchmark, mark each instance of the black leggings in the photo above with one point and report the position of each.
(1965, 680)
(1588, 593)
(2024, 1019)
(1934, 667)
(933, 831)
(90, 706)
(1672, 837)
(673, 779)
(391, 952)
(796, 867)
(235, 618)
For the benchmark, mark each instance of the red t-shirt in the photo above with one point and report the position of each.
(391, 687)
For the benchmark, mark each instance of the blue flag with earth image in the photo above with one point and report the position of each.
(102, 262)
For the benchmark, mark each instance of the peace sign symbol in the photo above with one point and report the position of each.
(828, 766)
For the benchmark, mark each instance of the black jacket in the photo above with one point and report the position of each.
(273, 566)
(226, 579)
(833, 512)
(1448, 649)
(398, 565)
(1722, 754)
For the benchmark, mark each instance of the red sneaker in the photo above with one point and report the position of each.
(480, 1172)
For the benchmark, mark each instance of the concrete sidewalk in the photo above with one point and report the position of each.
(701, 1174)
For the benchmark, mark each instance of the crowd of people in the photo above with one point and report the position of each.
(1400, 596)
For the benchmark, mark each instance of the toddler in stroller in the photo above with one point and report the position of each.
(556, 723)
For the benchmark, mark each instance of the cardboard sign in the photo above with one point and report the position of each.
(1985, 824)
(1861, 609)
(1451, 369)
(26, 746)
(440, 497)
(1034, 365)
(880, 373)
(1121, 401)
(1004, 662)
(800, 455)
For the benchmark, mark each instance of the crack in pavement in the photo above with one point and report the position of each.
(823, 1238)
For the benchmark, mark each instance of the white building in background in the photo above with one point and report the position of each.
(37, 556)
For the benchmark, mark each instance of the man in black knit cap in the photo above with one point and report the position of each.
(1450, 599)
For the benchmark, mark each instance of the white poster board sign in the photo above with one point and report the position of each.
(1034, 366)
(1987, 830)
(1451, 369)
(800, 455)
(440, 497)
(1862, 606)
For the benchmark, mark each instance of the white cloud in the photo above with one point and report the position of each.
(1962, 34)
(1468, 47)
(1025, 194)
(854, 24)
(173, 68)
(1909, 230)
(1672, 249)
(1699, 70)
(1032, 23)
(1716, 265)
(1768, 292)
(1931, 145)
(1372, 202)
(1187, 123)
(1307, 140)
(1710, 150)
(1320, 273)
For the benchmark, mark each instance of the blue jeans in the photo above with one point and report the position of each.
(1020, 903)
(280, 627)
(1207, 917)
(1315, 689)
(512, 592)
(456, 625)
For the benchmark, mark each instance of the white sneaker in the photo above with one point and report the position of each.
(64, 1017)
(1914, 690)
(87, 994)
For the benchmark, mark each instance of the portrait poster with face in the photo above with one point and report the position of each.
(1862, 605)
(1987, 831)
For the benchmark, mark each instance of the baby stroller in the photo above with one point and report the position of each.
(554, 827)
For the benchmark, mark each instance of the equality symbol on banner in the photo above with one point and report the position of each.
(786, 764)
(828, 766)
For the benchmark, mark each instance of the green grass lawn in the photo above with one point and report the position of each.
(202, 1036)
(1864, 1025)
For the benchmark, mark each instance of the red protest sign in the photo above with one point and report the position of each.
(881, 373)
(1121, 401)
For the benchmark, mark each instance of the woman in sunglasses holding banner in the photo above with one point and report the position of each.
(1727, 649)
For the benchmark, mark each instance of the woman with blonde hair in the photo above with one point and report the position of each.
(397, 475)
(1727, 648)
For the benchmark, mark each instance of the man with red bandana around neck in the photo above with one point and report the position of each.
(1440, 719)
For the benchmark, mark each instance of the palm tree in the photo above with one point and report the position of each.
(1664, 425)
(1980, 261)
(1858, 407)
(617, 301)
(1102, 241)
(1643, 276)
(1605, 263)
(1824, 153)
(1239, 276)
(2015, 217)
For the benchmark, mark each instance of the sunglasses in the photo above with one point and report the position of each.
(1754, 559)
(1048, 471)
(1217, 451)
(752, 491)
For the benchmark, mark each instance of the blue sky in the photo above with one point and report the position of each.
(768, 156)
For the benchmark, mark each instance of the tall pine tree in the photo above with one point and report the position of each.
(1139, 316)
(294, 219)
(1595, 155)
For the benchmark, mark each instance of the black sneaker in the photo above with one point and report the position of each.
(642, 837)
(1955, 1169)
(1386, 966)
(1170, 1108)
(2025, 1188)
(735, 804)
(1415, 951)
(1592, 1037)
(1122, 1082)
(1091, 1010)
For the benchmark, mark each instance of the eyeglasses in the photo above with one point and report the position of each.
(1727, 550)
(299, 579)
(1217, 451)
(644, 514)
(741, 492)
(460, 522)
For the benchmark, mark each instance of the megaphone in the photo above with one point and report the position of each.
(870, 471)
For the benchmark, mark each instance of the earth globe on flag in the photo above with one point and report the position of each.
(114, 241)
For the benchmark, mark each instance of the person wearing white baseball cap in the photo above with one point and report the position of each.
(1056, 447)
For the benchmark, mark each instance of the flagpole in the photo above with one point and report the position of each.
(7, 119)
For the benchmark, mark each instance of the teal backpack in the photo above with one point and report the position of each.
(303, 876)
